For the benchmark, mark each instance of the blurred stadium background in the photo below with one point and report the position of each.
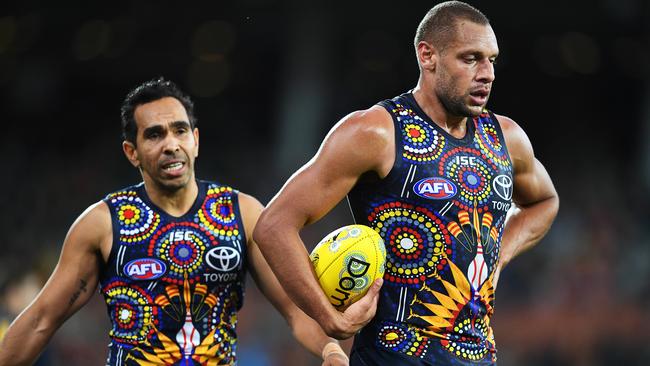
(270, 78)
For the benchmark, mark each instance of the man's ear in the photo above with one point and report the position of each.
(196, 142)
(427, 56)
(131, 153)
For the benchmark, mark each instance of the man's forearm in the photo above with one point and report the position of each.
(287, 257)
(25, 339)
(310, 334)
(525, 227)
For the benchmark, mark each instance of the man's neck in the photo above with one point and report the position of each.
(175, 203)
(435, 110)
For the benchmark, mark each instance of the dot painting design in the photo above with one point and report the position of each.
(417, 241)
(184, 253)
(473, 174)
(463, 341)
(146, 311)
(134, 318)
(217, 213)
(488, 141)
(422, 143)
(137, 220)
(430, 309)
(402, 340)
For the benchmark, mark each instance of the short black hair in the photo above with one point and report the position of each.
(439, 24)
(147, 92)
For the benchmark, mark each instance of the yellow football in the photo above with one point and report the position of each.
(347, 261)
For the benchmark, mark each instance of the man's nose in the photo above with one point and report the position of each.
(171, 144)
(485, 72)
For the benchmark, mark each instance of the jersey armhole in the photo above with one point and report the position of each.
(497, 125)
(115, 229)
(389, 106)
(240, 222)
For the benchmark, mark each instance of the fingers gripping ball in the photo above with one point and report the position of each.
(347, 262)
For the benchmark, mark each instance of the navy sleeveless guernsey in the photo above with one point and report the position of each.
(441, 212)
(173, 285)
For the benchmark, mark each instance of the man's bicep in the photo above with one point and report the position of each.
(358, 144)
(318, 188)
(531, 181)
(533, 185)
(77, 272)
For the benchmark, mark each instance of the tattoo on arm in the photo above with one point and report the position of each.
(82, 288)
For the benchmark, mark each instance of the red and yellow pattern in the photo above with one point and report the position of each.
(137, 220)
(217, 213)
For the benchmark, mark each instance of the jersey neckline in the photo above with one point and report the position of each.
(469, 122)
(198, 201)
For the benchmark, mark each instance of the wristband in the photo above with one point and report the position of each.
(331, 348)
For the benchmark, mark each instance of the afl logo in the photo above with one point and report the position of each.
(435, 188)
(223, 259)
(145, 269)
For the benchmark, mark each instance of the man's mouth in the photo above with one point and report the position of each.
(481, 93)
(479, 97)
(173, 166)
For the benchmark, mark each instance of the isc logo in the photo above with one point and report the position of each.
(145, 268)
(435, 188)
(465, 160)
(180, 236)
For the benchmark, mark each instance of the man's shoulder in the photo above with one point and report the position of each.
(506, 122)
(93, 225)
(375, 112)
(517, 141)
(374, 122)
(511, 129)
(248, 202)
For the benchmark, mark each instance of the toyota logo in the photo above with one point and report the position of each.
(502, 185)
(223, 259)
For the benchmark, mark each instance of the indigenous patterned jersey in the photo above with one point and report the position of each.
(441, 212)
(173, 285)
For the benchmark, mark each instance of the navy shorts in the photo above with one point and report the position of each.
(366, 356)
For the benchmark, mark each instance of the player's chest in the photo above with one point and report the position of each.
(183, 250)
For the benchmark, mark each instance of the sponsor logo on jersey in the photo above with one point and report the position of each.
(502, 185)
(220, 277)
(435, 188)
(503, 206)
(145, 269)
(185, 235)
(223, 259)
(465, 160)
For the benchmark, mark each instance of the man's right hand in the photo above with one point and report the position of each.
(357, 315)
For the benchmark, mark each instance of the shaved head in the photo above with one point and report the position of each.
(438, 27)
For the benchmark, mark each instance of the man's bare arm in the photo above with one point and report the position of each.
(535, 198)
(362, 142)
(305, 329)
(70, 286)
